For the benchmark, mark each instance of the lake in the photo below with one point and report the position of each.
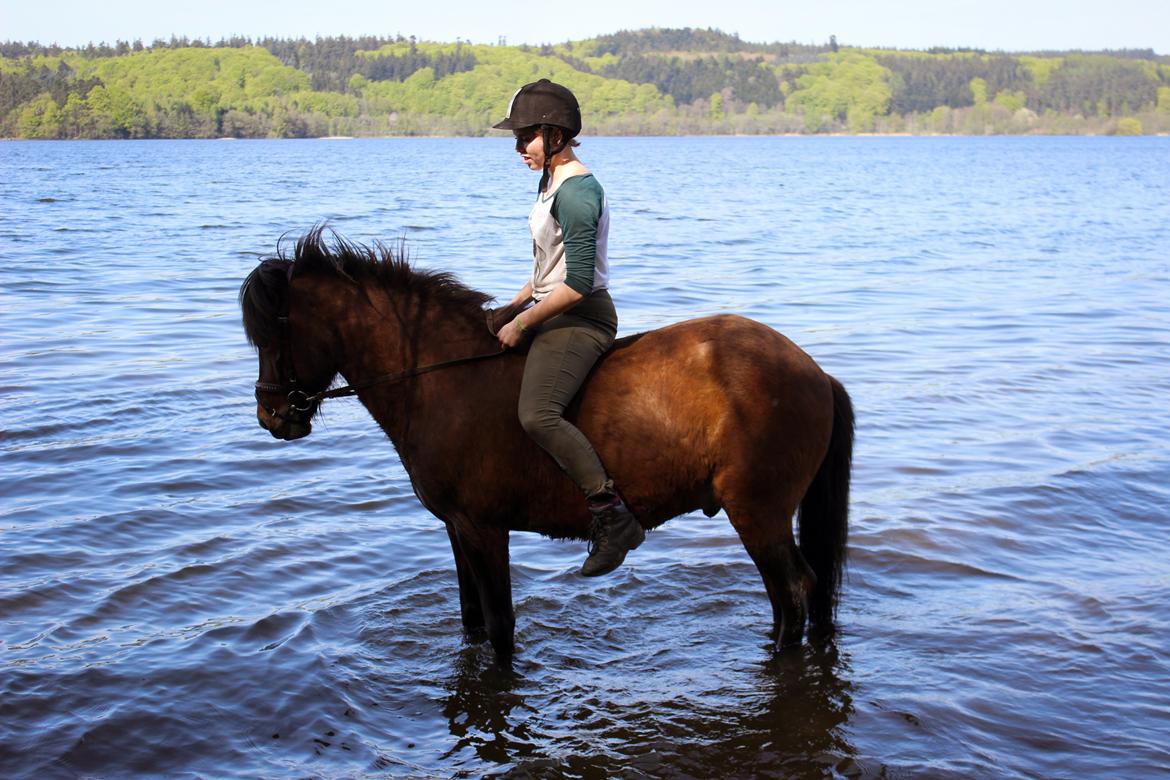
(183, 596)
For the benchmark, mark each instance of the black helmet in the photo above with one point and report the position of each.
(543, 103)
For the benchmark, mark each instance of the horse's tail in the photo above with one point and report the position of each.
(824, 512)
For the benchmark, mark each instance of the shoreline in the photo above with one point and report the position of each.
(640, 135)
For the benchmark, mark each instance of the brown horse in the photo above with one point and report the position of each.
(720, 412)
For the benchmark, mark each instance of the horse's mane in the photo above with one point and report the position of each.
(263, 293)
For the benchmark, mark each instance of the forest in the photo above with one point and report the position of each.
(644, 82)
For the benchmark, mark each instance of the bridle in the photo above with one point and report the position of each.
(300, 402)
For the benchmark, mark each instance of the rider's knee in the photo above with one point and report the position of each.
(537, 423)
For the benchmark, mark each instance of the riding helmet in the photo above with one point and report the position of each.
(543, 103)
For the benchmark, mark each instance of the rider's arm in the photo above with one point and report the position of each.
(524, 294)
(562, 298)
(577, 209)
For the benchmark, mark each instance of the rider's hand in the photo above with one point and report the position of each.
(510, 335)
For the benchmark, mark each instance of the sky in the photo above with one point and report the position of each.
(1005, 25)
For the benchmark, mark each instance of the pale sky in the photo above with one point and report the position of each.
(1008, 25)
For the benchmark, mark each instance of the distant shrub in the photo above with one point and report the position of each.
(1128, 126)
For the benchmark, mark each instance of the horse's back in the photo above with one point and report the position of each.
(726, 355)
(717, 398)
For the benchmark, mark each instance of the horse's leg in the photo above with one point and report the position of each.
(469, 606)
(766, 533)
(485, 550)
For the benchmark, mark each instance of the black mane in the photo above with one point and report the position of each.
(263, 293)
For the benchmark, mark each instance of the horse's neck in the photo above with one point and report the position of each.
(395, 331)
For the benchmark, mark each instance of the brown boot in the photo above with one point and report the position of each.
(614, 533)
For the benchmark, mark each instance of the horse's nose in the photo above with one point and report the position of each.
(260, 418)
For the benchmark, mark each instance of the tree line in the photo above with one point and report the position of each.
(649, 81)
(1085, 84)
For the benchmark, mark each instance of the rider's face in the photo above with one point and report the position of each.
(530, 145)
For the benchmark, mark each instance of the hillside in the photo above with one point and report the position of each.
(655, 81)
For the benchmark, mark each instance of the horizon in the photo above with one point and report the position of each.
(208, 42)
(989, 25)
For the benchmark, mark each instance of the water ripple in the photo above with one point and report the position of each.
(183, 596)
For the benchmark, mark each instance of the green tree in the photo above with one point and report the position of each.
(126, 114)
(859, 119)
(41, 118)
(844, 82)
(99, 109)
(74, 116)
(1012, 101)
(1163, 104)
(715, 106)
(979, 91)
(1128, 126)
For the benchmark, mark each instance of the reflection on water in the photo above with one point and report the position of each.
(486, 713)
(785, 717)
(180, 595)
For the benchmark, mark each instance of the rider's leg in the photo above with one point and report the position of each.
(560, 358)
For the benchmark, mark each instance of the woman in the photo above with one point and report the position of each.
(573, 321)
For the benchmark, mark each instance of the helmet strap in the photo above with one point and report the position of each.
(544, 177)
(549, 152)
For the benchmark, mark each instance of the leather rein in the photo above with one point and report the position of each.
(300, 402)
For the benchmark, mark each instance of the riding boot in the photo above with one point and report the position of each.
(614, 533)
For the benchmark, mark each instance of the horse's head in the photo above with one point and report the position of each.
(295, 363)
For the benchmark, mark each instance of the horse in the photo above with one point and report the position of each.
(715, 413)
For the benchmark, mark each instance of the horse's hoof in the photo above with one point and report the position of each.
(475, 635)
(821, 632)
(788, 639)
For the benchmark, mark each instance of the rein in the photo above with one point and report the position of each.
(300, 401)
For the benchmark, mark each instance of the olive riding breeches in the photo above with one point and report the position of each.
(562, 354)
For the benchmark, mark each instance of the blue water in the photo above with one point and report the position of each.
(182, 595)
